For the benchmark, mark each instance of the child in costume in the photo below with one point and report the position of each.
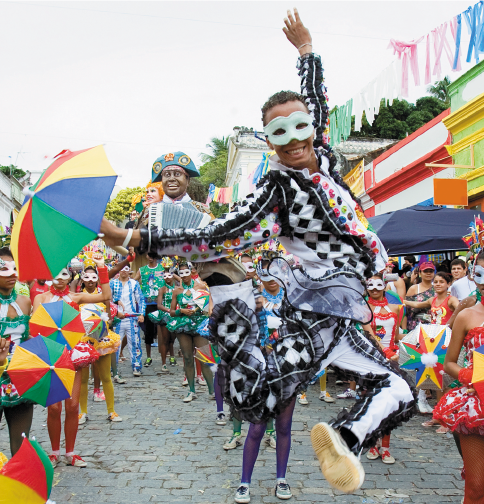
(129, 292)
(162, 315)
(105, 346)
(305, 204)
(151, 279)
(384, 328)
(83, 354)
(189, 322)
(14, 329)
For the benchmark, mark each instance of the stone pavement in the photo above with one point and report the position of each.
(141, 459)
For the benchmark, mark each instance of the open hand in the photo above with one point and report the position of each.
(297, 33)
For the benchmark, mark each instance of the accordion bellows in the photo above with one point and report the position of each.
(180, 215)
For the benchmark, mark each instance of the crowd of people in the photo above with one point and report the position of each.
(291, 284)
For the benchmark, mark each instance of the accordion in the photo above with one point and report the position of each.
(179, 215)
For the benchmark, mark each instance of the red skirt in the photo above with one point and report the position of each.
(83, 354)
(461, 412)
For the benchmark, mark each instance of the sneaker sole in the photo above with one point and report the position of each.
(389, 463)
(221, 423)
(373, 457)
(244, 500)
(339, 466)
(284, 497)
(232, 447)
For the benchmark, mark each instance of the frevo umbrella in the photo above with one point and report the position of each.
(42, 371)
(62, 212)
(202, 299)
(394, 298)
(423, 350)
(207, 355)
(27, 477)
(95, 321)
(59, 322)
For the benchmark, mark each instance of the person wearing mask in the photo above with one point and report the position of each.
(151, 279)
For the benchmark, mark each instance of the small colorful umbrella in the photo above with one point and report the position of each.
(202, 299)
(478, 371)
(423, 350)
(27, 477)
(95, 321)
(394, 298)
(207, 355)
(42, 371)
(62, 212)
(59, 322)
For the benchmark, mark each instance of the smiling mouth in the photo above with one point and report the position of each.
(296, 152)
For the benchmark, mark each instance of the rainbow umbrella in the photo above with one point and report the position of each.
(394, 298)
(423, 350)
(207, 355)
(95, 321)
(27, 477)
(478, 371)
(59, 322)
(202, 299)
(42, 371)
(62, 212)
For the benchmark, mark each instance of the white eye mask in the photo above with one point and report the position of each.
(298, 126)
(7, 268)
(184, 273)
(375, 284)
(168, 275)
(90, 277)
(63, 275)
(478, 274)
(127, 269)
(249, 267)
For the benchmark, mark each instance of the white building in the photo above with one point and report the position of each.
(245, 154)
(11, 199)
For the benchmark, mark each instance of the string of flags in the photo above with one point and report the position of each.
(442, 46)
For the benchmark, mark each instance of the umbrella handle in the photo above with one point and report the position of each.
(120, 250)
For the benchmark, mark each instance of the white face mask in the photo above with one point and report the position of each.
(478, 274)
(7, 268)
(184, 273)
(375, 284)
(63, 275)
(90, 277)
(168, 276)
(249, 267)
(297, 126)
(126, 269)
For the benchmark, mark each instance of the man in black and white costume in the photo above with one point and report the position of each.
(305, 204)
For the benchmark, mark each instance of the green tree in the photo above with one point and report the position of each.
(219, 147)
(18, 173)
(400, 119)
(120, 207)
(441, 90)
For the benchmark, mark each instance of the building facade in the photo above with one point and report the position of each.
(466, 124)
(245, 154)
(399, 177)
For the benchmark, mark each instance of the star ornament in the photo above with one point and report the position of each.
(426, 353)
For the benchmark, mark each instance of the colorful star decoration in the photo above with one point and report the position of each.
(427, 354)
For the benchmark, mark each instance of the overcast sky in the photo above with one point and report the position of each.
(147, 78)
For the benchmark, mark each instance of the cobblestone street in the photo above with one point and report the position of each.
(143, 460)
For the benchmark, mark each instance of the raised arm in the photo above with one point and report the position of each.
(310, 70)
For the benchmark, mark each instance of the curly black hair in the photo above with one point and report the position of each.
(279, 99)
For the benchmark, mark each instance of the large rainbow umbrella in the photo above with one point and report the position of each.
(42, 371)
(27, 477)
(59, 322)
(62, 212)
